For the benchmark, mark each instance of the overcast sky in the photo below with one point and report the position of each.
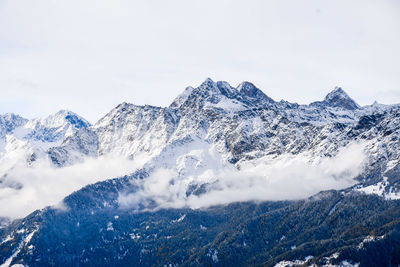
(88, 56)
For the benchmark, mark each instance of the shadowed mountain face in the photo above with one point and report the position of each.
(210, 149)
(249, 89)
(338, 98)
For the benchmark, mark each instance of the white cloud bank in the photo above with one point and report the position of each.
(27, 188)
(285, 178)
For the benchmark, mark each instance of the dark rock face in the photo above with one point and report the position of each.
(338, 98)
(85, 141)
(248, 89)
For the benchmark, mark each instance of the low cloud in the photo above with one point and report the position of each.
(289, 177)
(26, 188)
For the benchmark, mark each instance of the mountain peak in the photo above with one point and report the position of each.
(63, 112)
(207, 91)
(10, 121)
(61, 117)
(214, 92)
(208, 80)
(337, 92)
(208, 84)
(339, 98)
(250, 90)
(12, 118)
(73, 118)
(209, 87)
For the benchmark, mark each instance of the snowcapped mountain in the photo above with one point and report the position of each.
(243, 116)
(24, 141)
(338, 98)
(55, 127)
(40, 132)
(8, 122)
(240, 124)
(243, 124)
(215, 144)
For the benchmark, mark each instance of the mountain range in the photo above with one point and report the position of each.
(224, 176)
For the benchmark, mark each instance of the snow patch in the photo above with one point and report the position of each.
(213, 254)
(381, 189)
(294, 263)
(179, 219)
(110, 226)
(21, 245)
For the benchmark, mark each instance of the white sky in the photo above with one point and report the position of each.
(89, 56)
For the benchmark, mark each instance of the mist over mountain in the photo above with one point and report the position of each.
(223, 176)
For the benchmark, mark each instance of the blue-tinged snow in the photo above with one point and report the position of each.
(206, 129)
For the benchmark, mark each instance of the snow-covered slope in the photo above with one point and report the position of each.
(215, 144)
(338, 98)
(243, 125)
(24, 141)
(40, 132)
(239, 126)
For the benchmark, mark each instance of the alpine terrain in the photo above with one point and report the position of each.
(224, 176)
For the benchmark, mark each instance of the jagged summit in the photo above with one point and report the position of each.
(250, 90)
(337, 98)
(73, 118)
(61, 119)
(244, 89)
(216, 88)
(209, 91)
(208, 83)
(10, 121)
(338, 91)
